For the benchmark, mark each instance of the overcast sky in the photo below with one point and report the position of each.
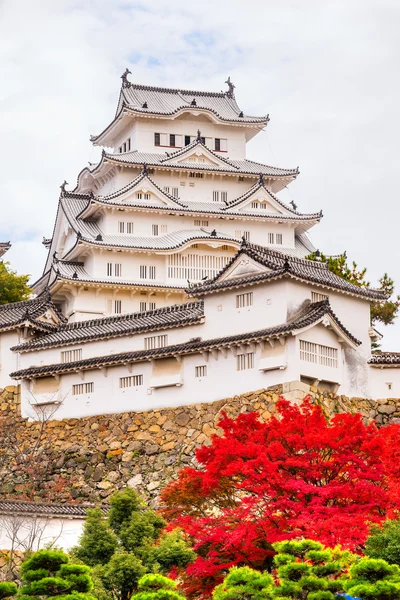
(327, 72)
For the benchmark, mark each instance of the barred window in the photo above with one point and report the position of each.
(175, 192)
(118, 269)
(196, 175)
(195, 266)
(143, 272)
(129, 227)
(243, 300)
(271, 238)
(68, 356)
(152, 305)
(131, 381)
(224, 196)
(200, 223)
(201, 371)
(255, 204)
(154, 229)
(245, 361)
(82, 388)
(121, 227)
(155, 341)
(117, 307)
(147, 196)
(143, 306)
(215, 196)
(152, 272)
(318, 354)
(279, 238)
(166, 188)
(317, 297)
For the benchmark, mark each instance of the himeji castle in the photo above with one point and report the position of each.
(176, 274)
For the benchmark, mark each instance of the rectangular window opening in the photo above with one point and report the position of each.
(82, 388)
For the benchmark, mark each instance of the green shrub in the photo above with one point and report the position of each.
(7, 589)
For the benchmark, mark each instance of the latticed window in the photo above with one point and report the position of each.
(318, 354)
(243, 300)
(82, 388)
(155, 341)
(131, 381)
(201, 371)
(68, 356)
(195, 266)
(317, 297)
(245, 361)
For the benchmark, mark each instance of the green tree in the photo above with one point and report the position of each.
(386, 312)
(121, 574)
(98, 542)
(384, 542)
(7, 589)
(245, 583)
(48, 574)
(157, 587)
(171, 550)
(127, 544)
(375, 579)
(308, 571)
(13, 287)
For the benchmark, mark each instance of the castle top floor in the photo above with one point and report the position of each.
(153, 119)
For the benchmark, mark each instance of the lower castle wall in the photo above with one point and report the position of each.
(86, 460)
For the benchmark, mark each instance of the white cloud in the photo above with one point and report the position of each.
(325, 71)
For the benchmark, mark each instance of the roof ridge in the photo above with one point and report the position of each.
(21, 303)
(151, 88)
(173, 308)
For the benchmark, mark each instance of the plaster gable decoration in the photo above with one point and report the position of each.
(242, 267)
(200, 156)
(49, 317)
(266, 203)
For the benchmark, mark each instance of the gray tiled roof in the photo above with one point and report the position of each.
(167, 101)
(217, 208)
(282, 265)
(4, 246)
(385, 359)
(147, 100)
(17, 313)
(160, 159)
(310, 315)
(117, 326)
(50, 510)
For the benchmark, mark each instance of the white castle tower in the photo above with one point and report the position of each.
(176, 275)
(168, 203)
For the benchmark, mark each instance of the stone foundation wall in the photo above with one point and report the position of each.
(85, 460)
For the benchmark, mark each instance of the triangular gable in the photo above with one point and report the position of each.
(142, 187)
(243, 266)
(199, 153)
(50, 317)
(266, 201)
(328, 321)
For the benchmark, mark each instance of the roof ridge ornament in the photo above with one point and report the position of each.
(62, 187)
(198, 139)
(261, 179)
(293, 204)
(124, 77)
(244, 243)
(145, 170)
(231, 87)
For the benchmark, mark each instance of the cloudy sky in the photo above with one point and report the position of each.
(326, 71)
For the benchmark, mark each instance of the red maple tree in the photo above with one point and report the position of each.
(296, 475)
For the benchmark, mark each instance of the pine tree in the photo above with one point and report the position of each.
(48, 574)
(7, 589)
(157, 587)
(98, 542)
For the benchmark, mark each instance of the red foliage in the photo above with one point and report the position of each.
(295, 475)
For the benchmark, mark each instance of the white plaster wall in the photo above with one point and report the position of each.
(8, 360)
(223, 380)
(384, 382)
(33, 533)
(142, 134)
